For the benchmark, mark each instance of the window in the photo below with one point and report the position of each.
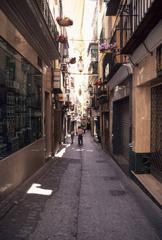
(20, 101)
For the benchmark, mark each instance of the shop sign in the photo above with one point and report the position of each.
(57, 78)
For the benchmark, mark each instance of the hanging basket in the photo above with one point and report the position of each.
(64, 22)
(62, 39)
(72, 60)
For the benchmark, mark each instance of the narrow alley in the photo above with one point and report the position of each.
(86, 69)
(81, 194)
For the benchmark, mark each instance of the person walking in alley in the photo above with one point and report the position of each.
(72, 136)
(80, 136)
(84, 128)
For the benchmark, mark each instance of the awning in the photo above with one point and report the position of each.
(122, 74)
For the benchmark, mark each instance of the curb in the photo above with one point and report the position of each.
(145, 190)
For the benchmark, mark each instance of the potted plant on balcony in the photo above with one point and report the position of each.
(107, 47)
(98, 82)
(62, 39)
(64, 22)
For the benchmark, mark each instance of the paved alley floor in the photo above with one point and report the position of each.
(81, 195)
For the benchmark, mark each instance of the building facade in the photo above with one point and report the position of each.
(29, 57)
(142, 38)
(132, 68)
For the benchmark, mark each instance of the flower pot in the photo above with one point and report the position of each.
(62, 39)
(72, 60)
(65, 22)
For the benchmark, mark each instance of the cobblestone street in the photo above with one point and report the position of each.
(81, 194)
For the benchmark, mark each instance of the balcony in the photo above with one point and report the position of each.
(94, 103)
(93, 54)
(93, 51)
(34, 21)
(102, 94)
(136, 21)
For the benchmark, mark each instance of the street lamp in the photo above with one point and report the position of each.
(80, 64)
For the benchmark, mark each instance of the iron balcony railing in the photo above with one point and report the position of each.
(46, 12)
(130, 15)
(101, 92)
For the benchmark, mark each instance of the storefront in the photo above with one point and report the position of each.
(121, 127)
(21, 141)
(20, 101)
(120, 124)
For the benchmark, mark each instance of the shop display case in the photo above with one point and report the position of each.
(20, 101)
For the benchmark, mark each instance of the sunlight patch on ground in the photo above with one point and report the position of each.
(62, 151)
(68, 145)
(36, 189)
(79, 150)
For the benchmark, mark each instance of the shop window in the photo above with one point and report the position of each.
(20, 101)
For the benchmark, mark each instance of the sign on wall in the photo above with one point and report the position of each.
(57, 79)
